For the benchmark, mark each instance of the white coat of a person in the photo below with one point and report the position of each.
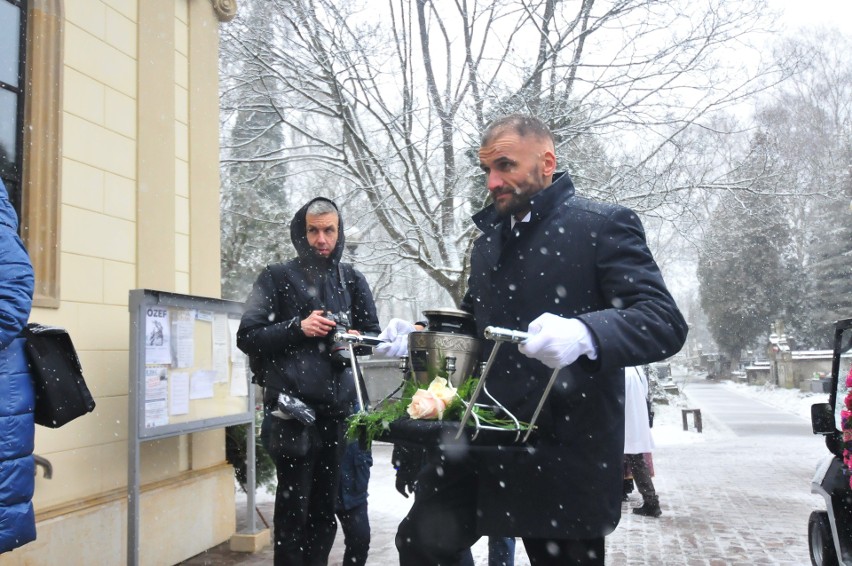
(638, 440)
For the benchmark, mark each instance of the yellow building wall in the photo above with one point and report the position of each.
(140, 209)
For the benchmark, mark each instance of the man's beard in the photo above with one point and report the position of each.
(520, 201)
(521, 196)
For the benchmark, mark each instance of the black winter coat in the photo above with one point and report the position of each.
(575, 258)
(282, 296)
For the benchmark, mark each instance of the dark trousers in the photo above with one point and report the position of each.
(501, 552)
(641, 475)
(440, 528)
(307, 463)
(356, 535)
(351, 505)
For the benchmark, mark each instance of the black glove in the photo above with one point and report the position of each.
(408, 462)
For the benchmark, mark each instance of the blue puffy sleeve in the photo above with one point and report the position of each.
(16, 275)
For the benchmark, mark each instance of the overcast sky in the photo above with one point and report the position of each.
(815, 12)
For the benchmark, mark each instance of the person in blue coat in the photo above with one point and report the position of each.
(17, 397)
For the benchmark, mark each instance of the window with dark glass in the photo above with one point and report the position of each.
(12, 26)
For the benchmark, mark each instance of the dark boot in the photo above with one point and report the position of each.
(650, 508)
(627, 489)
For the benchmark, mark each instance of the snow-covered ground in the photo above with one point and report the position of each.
(789, 400)
(668, 429)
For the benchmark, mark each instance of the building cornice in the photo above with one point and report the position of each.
(226, 10)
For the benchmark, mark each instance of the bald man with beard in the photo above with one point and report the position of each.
(577, 275)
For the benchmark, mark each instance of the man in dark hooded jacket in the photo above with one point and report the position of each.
(578, 275)
(293, 312)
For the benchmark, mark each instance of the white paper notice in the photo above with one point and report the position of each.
(233, 326)
(206, 316)
(184, 336)
(201, 385)
(239, 377)
(156, 382)
(179, 386)
(220, 347)
(157, 336)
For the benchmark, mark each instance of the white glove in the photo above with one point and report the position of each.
(395, 336)
(558, 342)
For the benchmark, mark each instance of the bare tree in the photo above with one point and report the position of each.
(810, 119)
(385, 102)
(255, 203)
(801, 158)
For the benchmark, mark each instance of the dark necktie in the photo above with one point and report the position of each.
(519, 228)
(507, 232)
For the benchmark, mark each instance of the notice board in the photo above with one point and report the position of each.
(186, 373)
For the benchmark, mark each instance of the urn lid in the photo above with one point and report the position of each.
(449, 313)
(454, 321)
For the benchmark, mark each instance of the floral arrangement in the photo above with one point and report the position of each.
(846, 424)
(430, 403)
(438, 400)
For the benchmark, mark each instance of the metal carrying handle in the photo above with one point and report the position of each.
(469, 409)
(505, 335)
(357, 339)
(356, 376)
(500, 335)
(541, 402)
(351, 340)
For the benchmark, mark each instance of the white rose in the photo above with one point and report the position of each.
(441, 389)
(425, 405)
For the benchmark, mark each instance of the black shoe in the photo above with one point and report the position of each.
(648, 509)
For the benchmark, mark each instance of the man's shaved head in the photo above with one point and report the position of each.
(522, 125)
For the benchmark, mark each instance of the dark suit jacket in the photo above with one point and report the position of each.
(583, 259)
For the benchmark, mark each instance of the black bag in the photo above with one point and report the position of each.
(61, 394)
(650, 414)
(290, 438)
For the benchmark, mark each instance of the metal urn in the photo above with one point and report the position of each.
(447, 348)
